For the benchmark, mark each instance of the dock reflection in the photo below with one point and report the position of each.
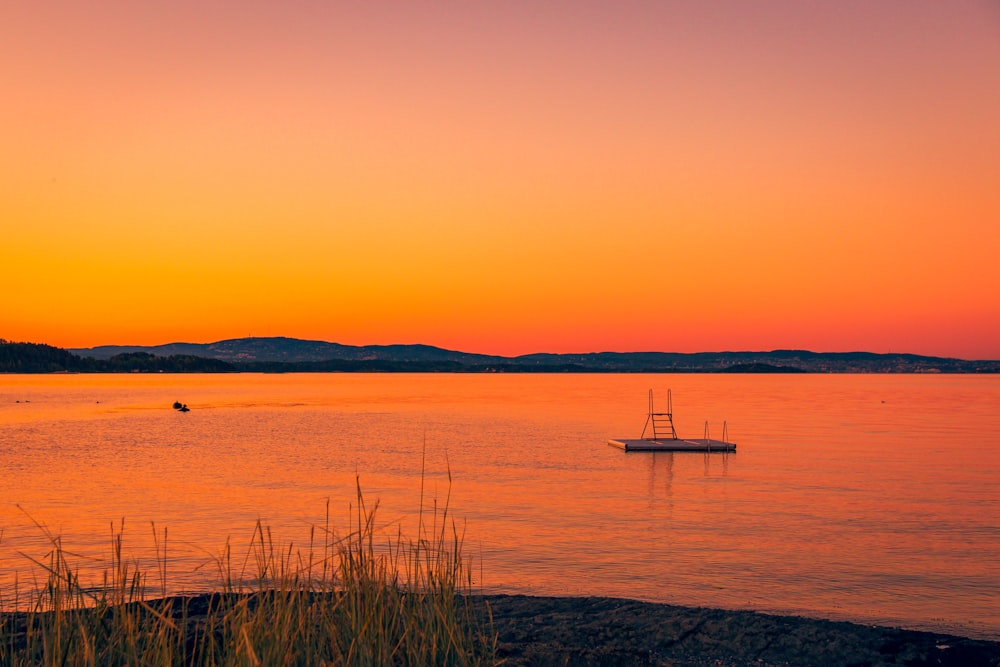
(664, 460)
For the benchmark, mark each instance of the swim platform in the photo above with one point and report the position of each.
(671, 445)
(663, 436)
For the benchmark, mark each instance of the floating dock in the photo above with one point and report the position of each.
(664, 436)
(671, 445)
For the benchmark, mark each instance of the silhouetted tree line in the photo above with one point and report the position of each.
(36, 358)
(39, 358)
(390, 366)
(143, 362)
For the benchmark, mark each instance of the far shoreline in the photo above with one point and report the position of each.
(289, 355)
(533, 371)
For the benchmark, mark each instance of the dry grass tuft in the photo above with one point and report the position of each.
(352, 600)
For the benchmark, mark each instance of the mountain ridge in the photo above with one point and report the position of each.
(291, 350)
(281, 353)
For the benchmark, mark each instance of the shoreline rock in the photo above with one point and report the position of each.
(545, 631)
(610, 631)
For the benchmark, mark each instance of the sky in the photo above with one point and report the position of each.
(504, 177)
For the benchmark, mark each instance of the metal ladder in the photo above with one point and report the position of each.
(661, 422)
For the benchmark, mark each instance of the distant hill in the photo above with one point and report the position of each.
(293, 350)
(281, 354)
(754, 362)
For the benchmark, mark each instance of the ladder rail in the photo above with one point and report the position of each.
(658, 422)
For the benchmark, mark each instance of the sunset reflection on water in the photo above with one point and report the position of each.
(867, 498)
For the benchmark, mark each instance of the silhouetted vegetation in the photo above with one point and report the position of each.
(401, 366)
(38, 358)
(352, 366)
(288, 355)
(758, 367)
(282, 354)
(364, 597)
(143, 362)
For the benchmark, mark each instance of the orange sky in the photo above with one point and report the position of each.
(504, 178)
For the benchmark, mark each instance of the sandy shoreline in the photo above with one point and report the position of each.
(608, 631)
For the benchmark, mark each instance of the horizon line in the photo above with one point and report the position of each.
(507, 356)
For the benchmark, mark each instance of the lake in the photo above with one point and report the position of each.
(871, 498)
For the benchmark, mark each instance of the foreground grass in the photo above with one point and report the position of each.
(347, 601)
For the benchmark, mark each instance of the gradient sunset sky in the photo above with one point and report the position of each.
(504, 177)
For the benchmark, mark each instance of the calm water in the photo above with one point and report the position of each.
(867, 498)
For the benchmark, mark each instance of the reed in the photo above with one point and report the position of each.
(358, 599)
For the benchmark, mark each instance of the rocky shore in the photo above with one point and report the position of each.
(551, 631)
(606, 631)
